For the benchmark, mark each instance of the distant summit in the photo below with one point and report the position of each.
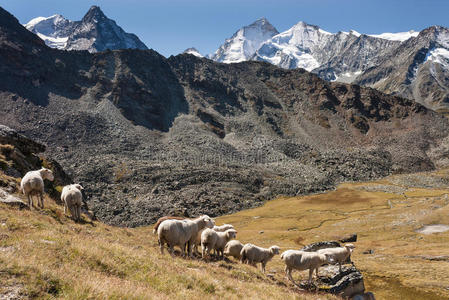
(95, 32)
(244, 43)
(193, 51)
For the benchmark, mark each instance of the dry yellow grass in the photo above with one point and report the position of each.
(46, 255)
(384, 221)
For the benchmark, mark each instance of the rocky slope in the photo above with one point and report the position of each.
(148, 136)
(418, 69)
(95, 32)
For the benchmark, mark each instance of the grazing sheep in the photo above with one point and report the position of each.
(223, 227)
(253, 254)
(73, 200)
(162, 219)
(233, 248)
(33, 183)
(181, 233)
(301, 260)
(340, 254)
(211, 239)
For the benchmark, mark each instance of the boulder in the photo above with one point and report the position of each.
(320, 245)
(9, 199)
(350, 238)
(348, 283)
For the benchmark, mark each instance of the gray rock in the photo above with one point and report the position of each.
(345, 284)
(320, 245)
(9, 199)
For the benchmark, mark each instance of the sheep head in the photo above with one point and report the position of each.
(46, 174)
(350, 247)
(208, 222)
(78, 186)
(275, 249)
(231, 233)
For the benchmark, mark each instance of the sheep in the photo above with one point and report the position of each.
(223, 227)
(72, 198)
(340, 254)
(162, 219)
(181, 233)
(33, 183)
(302, 260)
(211, 239)
(233, 248)
(253, 254)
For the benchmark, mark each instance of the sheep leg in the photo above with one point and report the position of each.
(161, 246)
(41, 198)
(30, 201)
(310, 275)
(262, 265)
(317, 276)
(339, 264)
(288, 271)
(78, 213)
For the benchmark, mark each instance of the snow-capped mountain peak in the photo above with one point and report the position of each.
(95, 32)
(244, 43)
(54, 30)
(193, 51)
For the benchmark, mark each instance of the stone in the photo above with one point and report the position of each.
(9, 199)
(345, 284)
(349, 238)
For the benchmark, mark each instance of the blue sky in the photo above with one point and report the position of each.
(171, 26)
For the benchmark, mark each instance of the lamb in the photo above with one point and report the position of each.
(253, 254)
(233, 248)
(33, 183)
(181, 233)
(72, 198)
(211, 239)
(302, 260)
(162, 219)
(340, 254)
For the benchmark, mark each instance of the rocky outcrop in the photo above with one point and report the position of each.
(18, 155)
(346, 284)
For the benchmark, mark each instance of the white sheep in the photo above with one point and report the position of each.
(253, 254)
(340, 254)
(302, 260)
(33, 183)
(223, 227)
(233, 248)
(181, 233)
(211, 239)
(72, 198)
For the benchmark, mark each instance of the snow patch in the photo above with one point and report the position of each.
(398, 36)
(438, 55)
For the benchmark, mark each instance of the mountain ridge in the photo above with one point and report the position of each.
(94, 32)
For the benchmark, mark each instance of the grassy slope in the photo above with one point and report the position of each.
(384, 214)
(45, 255)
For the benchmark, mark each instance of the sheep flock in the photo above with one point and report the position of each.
(190, 234)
